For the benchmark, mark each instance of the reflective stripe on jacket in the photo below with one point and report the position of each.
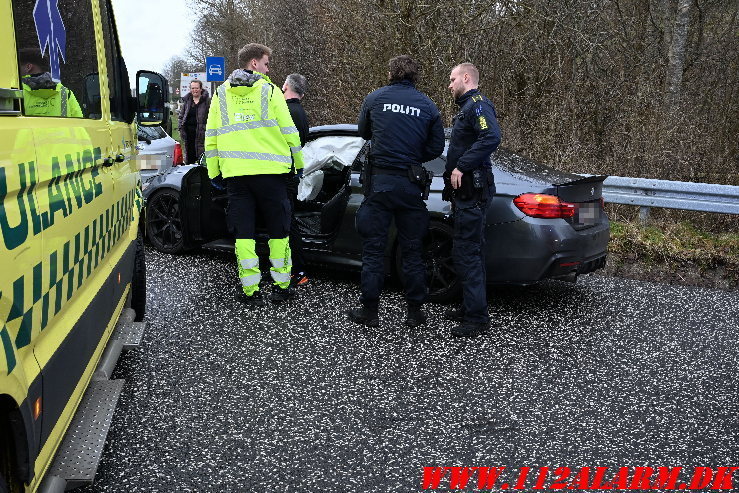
(250, 132)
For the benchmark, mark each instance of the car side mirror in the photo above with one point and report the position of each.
(152, 92)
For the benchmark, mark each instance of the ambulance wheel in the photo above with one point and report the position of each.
(8, 481)
(164, 222)
(138, 283)
(441, 278)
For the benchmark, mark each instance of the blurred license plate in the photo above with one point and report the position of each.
(588, 213)
(151, 161)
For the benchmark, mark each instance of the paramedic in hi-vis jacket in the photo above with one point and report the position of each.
(252, 144)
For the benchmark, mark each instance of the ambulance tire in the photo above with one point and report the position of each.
(138, 282)
(164, 222)
(8, 482)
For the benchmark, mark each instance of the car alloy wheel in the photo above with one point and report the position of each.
(440, 274)
(164, 223)
(441, 278)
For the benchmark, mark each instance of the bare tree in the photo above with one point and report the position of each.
(678, 44)
(583, 84)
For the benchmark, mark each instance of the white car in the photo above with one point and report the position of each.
(157, 150)
(215, 70)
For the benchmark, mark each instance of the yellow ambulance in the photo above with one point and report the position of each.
(71, 257)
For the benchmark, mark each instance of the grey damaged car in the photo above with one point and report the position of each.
(541, 224)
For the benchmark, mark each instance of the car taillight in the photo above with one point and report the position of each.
(602, 202)
(544, 206)
(177, 159)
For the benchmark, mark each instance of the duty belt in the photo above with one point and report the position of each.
(389, 171)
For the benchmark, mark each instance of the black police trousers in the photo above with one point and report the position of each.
(380, 206)
(468, 253)
(258, 196)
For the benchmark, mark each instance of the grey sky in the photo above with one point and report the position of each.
(151, 32)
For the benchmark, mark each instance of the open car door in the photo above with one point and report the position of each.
(325, 189)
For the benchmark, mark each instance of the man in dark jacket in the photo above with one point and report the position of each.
(470, 187)
(406, 130)
(294, 88)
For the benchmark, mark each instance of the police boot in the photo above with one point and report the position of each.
(470, 329)
(415, 316)
(279, 295)
(455, 314)
(364, 316)
(253, 301)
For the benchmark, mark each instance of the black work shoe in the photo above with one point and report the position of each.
(364, 316)
(470, 329)
(455, 315)
(279, 295)
(253, 301)
(415, 317)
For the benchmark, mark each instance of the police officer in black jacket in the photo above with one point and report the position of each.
(406, 130)
(470, 186)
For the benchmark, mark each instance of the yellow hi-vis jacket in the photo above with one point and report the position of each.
(57, 101)
(250, 131)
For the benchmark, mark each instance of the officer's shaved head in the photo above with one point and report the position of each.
(471, 70)
(253, 51)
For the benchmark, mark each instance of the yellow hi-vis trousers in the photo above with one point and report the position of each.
(281, 260)
(248, 263)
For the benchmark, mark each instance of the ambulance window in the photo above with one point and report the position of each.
(117, 85)
(57, 58)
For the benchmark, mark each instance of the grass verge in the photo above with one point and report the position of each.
(678, 253)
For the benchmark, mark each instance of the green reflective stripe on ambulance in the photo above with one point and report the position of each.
(252, 280)
(76, 258)
(8, 346)
(289, 130)
(249, 263)
(257, 156)
(222, 105)
(265, 101)
(234, 127)
(64, 96)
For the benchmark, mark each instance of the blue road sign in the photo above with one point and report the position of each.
(215, 68)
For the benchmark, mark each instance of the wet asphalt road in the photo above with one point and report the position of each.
(607, 372)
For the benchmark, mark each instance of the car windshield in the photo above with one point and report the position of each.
(151, 133)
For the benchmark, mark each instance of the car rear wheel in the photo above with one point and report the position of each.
(164, 222)
(441, 278)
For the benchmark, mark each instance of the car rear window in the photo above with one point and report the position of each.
(151, 133)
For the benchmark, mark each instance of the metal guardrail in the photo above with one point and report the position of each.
(646, 193)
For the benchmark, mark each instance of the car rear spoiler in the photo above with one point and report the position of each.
(583, 180)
